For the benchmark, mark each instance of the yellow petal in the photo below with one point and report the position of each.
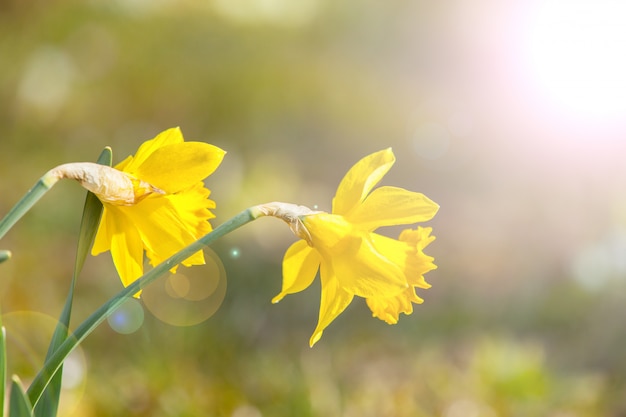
(167, 137)
(102, 241)
(333, 302)
(300, 266)
(390, 206)
(178, 166)
(162, 231)
(363, 271)
(360, 180)
(122, 166)
(126, 246)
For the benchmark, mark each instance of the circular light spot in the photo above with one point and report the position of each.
(177, 285)
(128, 318)
(235, 253)
(47, 81)
(246, 411)
(185, 299)
(28, 336)
(601, 264)
(73, 371)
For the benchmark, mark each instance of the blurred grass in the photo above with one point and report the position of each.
(506, 330)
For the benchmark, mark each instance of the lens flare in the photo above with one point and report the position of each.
(235, 253)
(575, 50)
(190, 296)
(128, 318)
(28, 335)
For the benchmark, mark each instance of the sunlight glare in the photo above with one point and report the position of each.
(576, 53)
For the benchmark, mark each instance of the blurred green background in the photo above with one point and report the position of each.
(510, 115)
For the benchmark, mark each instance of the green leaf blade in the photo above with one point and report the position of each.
(48, 404)
(92, 212)
(19, 405)
(54, 362)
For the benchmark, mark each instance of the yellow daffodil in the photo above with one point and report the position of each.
(170, 207)
(351, 258)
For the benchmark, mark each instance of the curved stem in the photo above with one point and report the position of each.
(55, 360)
(30, 198)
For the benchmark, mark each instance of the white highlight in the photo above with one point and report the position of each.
(576, 53)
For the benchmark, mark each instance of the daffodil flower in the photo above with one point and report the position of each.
(351, 258)
(160, 208)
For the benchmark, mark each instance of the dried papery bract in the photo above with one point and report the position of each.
(290, 213)
(108, 184)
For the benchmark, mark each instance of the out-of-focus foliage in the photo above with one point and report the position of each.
(523, 318)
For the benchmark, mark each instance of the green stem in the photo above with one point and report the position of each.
(85, 328)
(30, 198)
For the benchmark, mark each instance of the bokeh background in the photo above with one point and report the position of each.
(511, 115)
